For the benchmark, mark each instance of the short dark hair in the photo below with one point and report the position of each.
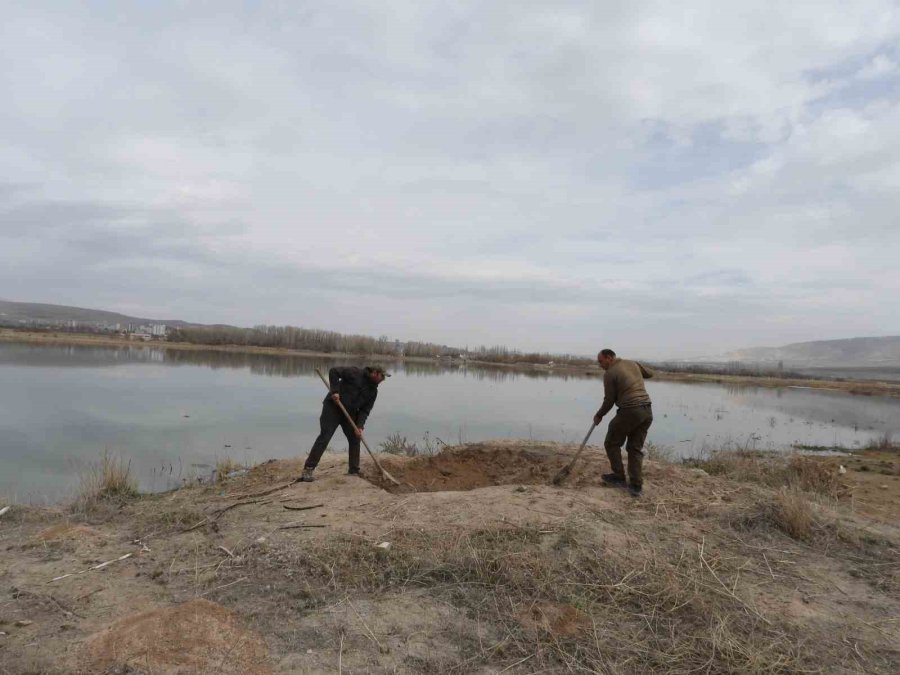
(609, 353)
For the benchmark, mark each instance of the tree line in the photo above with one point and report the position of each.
(332, 342)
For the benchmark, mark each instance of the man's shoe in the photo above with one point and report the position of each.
(352, 472)
(635, 490)
(307, 476)
(613, 479)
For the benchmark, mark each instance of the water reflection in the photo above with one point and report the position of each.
(280, 365)
(172, 412)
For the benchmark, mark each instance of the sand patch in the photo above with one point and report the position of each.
(195, 637)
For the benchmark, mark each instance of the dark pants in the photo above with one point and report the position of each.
(628, 427)
(329, 421)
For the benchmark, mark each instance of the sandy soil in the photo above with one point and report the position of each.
(875, 476)
(477, 564)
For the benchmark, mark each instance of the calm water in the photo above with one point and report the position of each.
(173, 413)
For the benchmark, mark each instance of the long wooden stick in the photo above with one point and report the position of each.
(358, 432)
(566, 470)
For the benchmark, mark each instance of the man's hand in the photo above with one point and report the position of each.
(359, 431)
(335, 397)
(597, 418)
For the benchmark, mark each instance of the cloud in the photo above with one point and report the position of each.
(519, 174)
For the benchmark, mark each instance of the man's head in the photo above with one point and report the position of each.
(377, 373)
(605, 358)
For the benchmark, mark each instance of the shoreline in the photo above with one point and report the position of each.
(858, 387)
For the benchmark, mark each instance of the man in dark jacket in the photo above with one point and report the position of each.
(357, 389)
(623, 385)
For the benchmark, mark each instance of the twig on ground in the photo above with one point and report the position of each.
(219, 588)
(91, 569)
(301, 508)
(262, 493)
(290, 526)
(67, 610)
(194, 527)
(381, 647)
(88, 594)
(218, 513)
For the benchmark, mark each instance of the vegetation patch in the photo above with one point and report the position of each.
(775, 471)
(108, 481)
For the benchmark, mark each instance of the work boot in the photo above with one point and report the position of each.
(613, 479)
(635, 490)
(307, 476)
(352, 472)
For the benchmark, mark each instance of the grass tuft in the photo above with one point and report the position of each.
(225, 465)
(108, 481)
(775, 471)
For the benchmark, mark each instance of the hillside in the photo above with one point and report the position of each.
(861, 351)
(35, 311)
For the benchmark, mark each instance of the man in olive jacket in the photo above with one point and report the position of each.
(623, 385)
(357, 389)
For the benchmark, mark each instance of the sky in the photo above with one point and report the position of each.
(665, 179)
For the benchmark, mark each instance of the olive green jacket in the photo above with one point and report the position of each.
(623, 385)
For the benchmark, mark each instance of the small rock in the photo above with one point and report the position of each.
(23, 623)
(385, 545)
(309, 651)
(842, 470)
(261, 540)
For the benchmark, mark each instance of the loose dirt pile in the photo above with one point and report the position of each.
(196, 636)
(479, 465)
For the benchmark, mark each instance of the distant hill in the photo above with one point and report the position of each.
(33, 311)
(861, 351)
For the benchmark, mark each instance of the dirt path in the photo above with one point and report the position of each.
(477, 565)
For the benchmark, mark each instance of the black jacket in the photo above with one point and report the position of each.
(358, 392)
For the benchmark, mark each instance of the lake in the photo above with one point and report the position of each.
(173, 413)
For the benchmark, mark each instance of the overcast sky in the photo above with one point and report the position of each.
(667, 181)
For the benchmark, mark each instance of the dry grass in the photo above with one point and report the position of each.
(225, 465)
(661, 604)
(792, 514)
(788, 511)
(396, 444)
(884, 443)
(775, 471)
(104, 482)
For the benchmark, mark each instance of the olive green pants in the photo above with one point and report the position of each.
(629, 427)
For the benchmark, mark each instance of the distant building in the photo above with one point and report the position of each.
(158, 330)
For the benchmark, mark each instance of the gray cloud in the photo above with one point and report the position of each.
(678, 181)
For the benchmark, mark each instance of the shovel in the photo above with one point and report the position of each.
(356, 429)
(567, 469)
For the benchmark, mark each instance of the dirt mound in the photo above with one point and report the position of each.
(195, 637)
(477, 465)
(61, 532)
(553, 618)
